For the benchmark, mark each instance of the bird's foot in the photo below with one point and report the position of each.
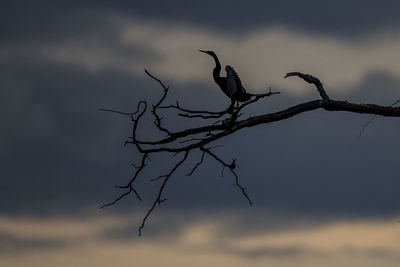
(231, 109)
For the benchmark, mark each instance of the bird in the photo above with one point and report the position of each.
(231, 84)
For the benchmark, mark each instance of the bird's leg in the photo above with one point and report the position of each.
(231, 108)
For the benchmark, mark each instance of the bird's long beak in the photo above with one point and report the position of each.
(203, 51)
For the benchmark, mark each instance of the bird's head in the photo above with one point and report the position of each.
(209, 52)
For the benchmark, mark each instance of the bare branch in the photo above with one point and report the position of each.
(156, 79)
(231, 167)
(311, 79)
(187, 115)
(364, 126)
(158, 199)
(158, 119)
(117, 199)
(115, 111)
(129, 185)
(158, 178)
(191, 139)
(190, 111)
(216, 128)
(197, 164)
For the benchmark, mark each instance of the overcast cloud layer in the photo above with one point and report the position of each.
(60, 156)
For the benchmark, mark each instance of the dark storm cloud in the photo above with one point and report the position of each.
(62, 155)
(40, 20)
(53, 140)
(59, 154)
(343, 18)
(32, 21)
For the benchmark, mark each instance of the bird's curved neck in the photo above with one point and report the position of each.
(217, 70)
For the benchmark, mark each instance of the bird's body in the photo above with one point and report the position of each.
(234, 87)
(231, 84)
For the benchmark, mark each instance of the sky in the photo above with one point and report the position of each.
(323, 195)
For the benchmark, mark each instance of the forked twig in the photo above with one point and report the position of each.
(188, 140)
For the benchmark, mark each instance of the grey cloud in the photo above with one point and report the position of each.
(10, 244)
(48, 163)
(283, 253)
(48, 20)
(376, 87)
(293, 252)
(62, 155)
(373, 253)
(341, 18)
(77, 162)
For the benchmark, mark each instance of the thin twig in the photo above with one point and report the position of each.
(177, 106)
(197, 165)
(161, 190)
(129, 185)
(231, 167)
(115, 111)
(364, 126)
(188, 140)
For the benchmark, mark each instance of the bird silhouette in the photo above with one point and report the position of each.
(231, 84)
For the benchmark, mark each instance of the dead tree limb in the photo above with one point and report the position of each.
(220, 124)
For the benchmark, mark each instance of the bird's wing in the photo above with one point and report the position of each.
(231, 85)
(233, 81)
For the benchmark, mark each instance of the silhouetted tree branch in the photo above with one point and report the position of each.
(220, 124)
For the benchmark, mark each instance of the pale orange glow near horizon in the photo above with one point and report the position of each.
(83, 243)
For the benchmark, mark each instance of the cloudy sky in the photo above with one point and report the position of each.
(323, 196)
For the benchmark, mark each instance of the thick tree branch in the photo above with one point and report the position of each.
(364, 126)
(188, 140)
